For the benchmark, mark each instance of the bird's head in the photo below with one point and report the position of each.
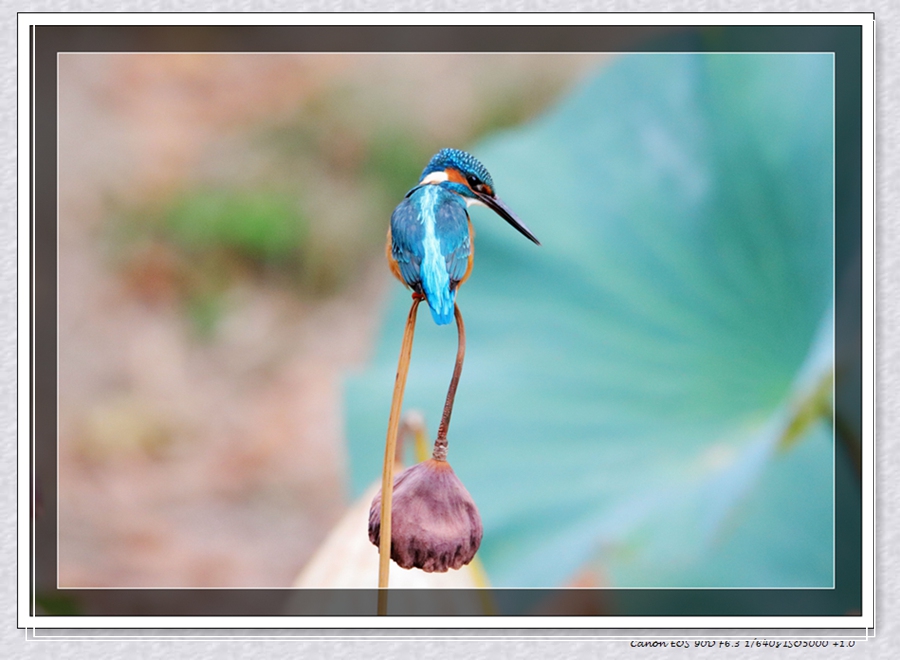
(462, 173)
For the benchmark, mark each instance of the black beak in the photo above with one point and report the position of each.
(506, 213)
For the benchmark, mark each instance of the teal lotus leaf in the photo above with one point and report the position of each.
(628, 385)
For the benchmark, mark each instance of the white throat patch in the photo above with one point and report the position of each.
(434, 177)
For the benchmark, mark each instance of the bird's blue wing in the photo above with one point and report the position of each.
(452, 226)
(406, 243)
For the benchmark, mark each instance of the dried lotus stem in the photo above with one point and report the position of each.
(390, 450)
(440, 444)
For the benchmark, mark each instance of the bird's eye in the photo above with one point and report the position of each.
(475, 184)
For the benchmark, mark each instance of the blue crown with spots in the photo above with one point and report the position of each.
(465, 162)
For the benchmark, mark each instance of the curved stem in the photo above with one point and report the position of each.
(440, 445)
(390, 450)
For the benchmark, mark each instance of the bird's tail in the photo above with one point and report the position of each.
(441, 306)
(441, 300)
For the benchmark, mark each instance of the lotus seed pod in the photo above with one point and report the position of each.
(434, 522)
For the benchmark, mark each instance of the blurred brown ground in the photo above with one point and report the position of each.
(221, 462)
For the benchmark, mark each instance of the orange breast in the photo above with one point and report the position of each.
(392, 263)
(471, 253)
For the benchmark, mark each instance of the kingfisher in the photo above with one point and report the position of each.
(430, 241)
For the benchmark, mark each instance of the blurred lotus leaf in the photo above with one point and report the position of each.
(632, 388)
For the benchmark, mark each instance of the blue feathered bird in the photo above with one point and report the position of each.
(429, 246)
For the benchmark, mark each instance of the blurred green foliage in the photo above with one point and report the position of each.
(262, 228)
(394, 159)
(198, 243)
